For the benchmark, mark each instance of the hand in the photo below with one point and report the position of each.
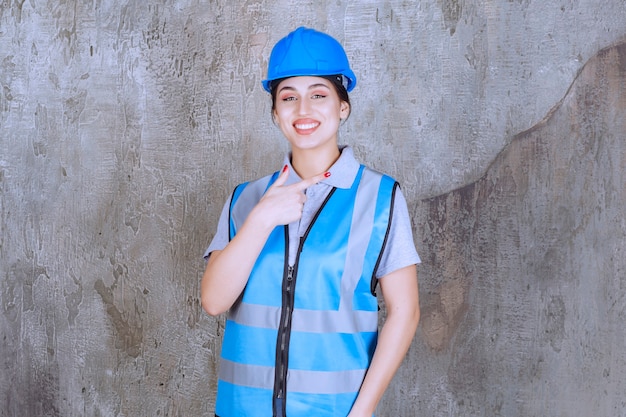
(283, 204)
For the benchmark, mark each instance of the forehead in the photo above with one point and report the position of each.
(303, 82)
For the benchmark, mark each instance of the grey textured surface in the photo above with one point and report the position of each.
(125, 124)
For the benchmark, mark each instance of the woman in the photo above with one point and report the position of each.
(298, 254)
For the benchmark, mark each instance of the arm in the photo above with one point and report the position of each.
(400, 293)
(227, 271)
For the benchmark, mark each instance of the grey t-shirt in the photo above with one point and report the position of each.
(399, 251)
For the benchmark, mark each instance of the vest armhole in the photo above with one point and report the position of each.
(374, 281)
(237, 192)
(233, 199)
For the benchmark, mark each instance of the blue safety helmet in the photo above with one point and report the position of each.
(307, 52)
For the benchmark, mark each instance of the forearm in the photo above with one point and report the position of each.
(393, 343)
(400, 293)
(228, 270)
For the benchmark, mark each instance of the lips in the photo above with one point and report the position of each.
(305, 126)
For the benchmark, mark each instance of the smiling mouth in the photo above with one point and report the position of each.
(306, 126)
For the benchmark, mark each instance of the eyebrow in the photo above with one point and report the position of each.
(311, 87)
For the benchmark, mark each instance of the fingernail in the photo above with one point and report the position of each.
(327, 174)
(285, 168)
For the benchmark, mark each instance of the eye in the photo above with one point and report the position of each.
(288, 98)
(318, 95)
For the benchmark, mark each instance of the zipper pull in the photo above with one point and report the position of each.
(290, 273)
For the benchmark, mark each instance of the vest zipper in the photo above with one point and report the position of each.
(279, 403)
(282, 349)
(284, 333)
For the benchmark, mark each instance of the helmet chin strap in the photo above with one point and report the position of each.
(344, 81)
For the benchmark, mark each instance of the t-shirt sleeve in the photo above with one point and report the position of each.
(399, 251)
(221, 238)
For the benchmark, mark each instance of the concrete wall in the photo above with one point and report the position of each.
(125, 124)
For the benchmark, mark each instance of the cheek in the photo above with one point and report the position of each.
(282, 110)
(277, 117)
(337, 113)
(280, 121)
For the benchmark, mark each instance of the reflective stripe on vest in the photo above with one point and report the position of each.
(334, 317)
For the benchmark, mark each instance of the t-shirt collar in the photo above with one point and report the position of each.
(343, 171)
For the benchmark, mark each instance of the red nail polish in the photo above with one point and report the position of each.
(327, 174)
(285, 168)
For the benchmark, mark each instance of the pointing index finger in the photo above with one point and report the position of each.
(306, 183)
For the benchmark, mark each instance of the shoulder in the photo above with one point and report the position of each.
(253, 189)
(372, 175)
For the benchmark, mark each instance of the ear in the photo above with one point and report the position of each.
(344, 111)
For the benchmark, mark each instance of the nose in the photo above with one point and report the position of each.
(304, 106)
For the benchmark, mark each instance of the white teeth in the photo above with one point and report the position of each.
(306, 126)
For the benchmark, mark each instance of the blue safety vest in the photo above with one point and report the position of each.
(300, 338)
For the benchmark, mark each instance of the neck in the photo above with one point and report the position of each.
(309, 162)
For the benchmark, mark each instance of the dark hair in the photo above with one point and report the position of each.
(335, 80)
